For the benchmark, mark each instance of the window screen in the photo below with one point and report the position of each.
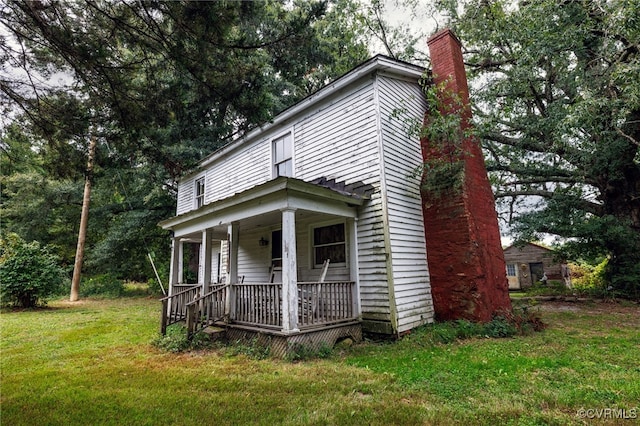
(329, 243)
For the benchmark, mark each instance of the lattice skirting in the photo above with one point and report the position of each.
(312, 340)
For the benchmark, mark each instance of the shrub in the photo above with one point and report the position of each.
(102, 285)
(29, 273)
(176, 340)
(589, 279)
(154, 287)
(254, 348)
(301, 352)
(551, 288)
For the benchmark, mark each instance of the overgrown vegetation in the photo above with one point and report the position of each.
(300, 352)
(521, 321)
(175, 340)
(444, 132)
(29, 273)
(106, 285)
(586, 281)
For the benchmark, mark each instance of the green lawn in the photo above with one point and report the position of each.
(92, 363)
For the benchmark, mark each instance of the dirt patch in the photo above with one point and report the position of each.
(595, 307)
(606, 314)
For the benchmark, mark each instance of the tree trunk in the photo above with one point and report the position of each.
(621, 197)
(84, 219)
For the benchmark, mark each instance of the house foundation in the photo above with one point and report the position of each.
(282, 345)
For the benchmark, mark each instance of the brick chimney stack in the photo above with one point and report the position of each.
(464, 252)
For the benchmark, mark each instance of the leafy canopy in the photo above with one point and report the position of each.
(557, 96)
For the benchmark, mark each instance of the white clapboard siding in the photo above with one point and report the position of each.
(339, 138)
(245, 168)
(401, 103)
(340, 142)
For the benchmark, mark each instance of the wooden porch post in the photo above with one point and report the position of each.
(180, 261)
(289, 272)
(232, 267)
(174, 267)
(352, 225)
(205, 259)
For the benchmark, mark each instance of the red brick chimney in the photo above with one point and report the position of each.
(464, 252)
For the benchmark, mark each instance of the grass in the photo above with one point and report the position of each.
(92, 362)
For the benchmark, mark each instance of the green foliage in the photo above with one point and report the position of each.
(551, 288)
(555, 91)
(520, 321)
(175, 340)
(106, 285)
(589, 280)
(154, 286)
(443, 172)
(302, 352)
(254, 348)
(586, 358)
(161, 85)
(29, 272)
(588, 276)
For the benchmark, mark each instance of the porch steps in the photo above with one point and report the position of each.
(215, 333)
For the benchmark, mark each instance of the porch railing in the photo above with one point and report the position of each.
(258, 303)
(325, 303)
(174, 307)
(206, 309)
(319, 304)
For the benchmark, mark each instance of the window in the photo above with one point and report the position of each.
(283, 156)
(329, 243)
(199, 192)
(511, 270)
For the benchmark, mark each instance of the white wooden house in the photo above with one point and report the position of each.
(331, 178)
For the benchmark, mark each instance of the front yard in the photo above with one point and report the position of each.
(92, 362)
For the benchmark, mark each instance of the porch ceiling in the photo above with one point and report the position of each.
(263, 204)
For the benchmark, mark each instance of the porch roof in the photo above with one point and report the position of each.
(278, 194)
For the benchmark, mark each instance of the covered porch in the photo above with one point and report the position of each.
(279, 258)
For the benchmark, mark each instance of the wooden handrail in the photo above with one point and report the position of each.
(174, 307)
(205, 310)
(180, 292)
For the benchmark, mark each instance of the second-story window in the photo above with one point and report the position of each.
(199, 192)
(283, 156)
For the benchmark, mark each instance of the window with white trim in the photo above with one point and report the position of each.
(511, 270)
(199, 192)
(329, 242)
(283, 156)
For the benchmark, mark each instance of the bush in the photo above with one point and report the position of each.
(154, 287)
(29, 272)
(176, 340)
(551, 288)
(590, 280)
(301, 352)
(102, 285)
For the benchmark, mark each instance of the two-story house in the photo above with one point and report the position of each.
(310, 228)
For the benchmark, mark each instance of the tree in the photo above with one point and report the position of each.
(557, 96)
(161, 84)
(29, 273)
